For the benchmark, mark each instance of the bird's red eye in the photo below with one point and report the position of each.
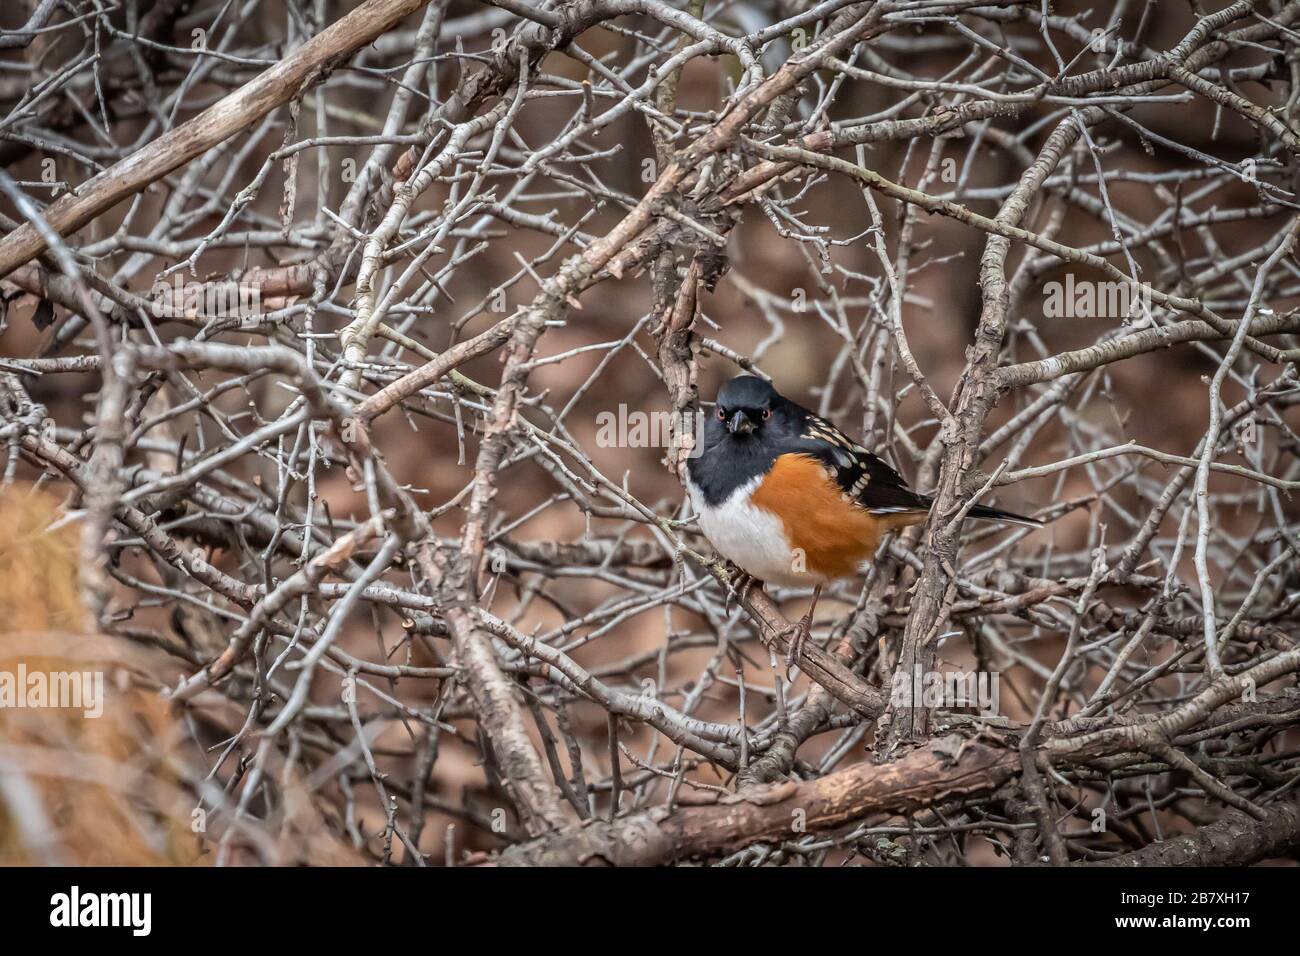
(722, 416)
(767, 413)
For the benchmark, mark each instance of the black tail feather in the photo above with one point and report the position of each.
(997, 514)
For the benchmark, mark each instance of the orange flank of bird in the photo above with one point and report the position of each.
(832, 532)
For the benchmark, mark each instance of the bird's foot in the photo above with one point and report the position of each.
(739, 583)
(797, 634)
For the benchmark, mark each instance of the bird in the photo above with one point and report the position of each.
(789, 499)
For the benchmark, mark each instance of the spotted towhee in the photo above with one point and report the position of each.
(789, 499)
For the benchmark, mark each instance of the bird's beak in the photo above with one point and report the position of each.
(739, 424)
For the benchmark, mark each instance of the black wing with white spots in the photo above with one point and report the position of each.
(864, 477)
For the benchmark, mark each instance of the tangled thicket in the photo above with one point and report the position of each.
(333, 330)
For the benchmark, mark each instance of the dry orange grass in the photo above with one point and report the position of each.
(118, 789)
(75, 789)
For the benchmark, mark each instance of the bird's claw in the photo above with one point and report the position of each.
(738, 584)
(798, 635)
